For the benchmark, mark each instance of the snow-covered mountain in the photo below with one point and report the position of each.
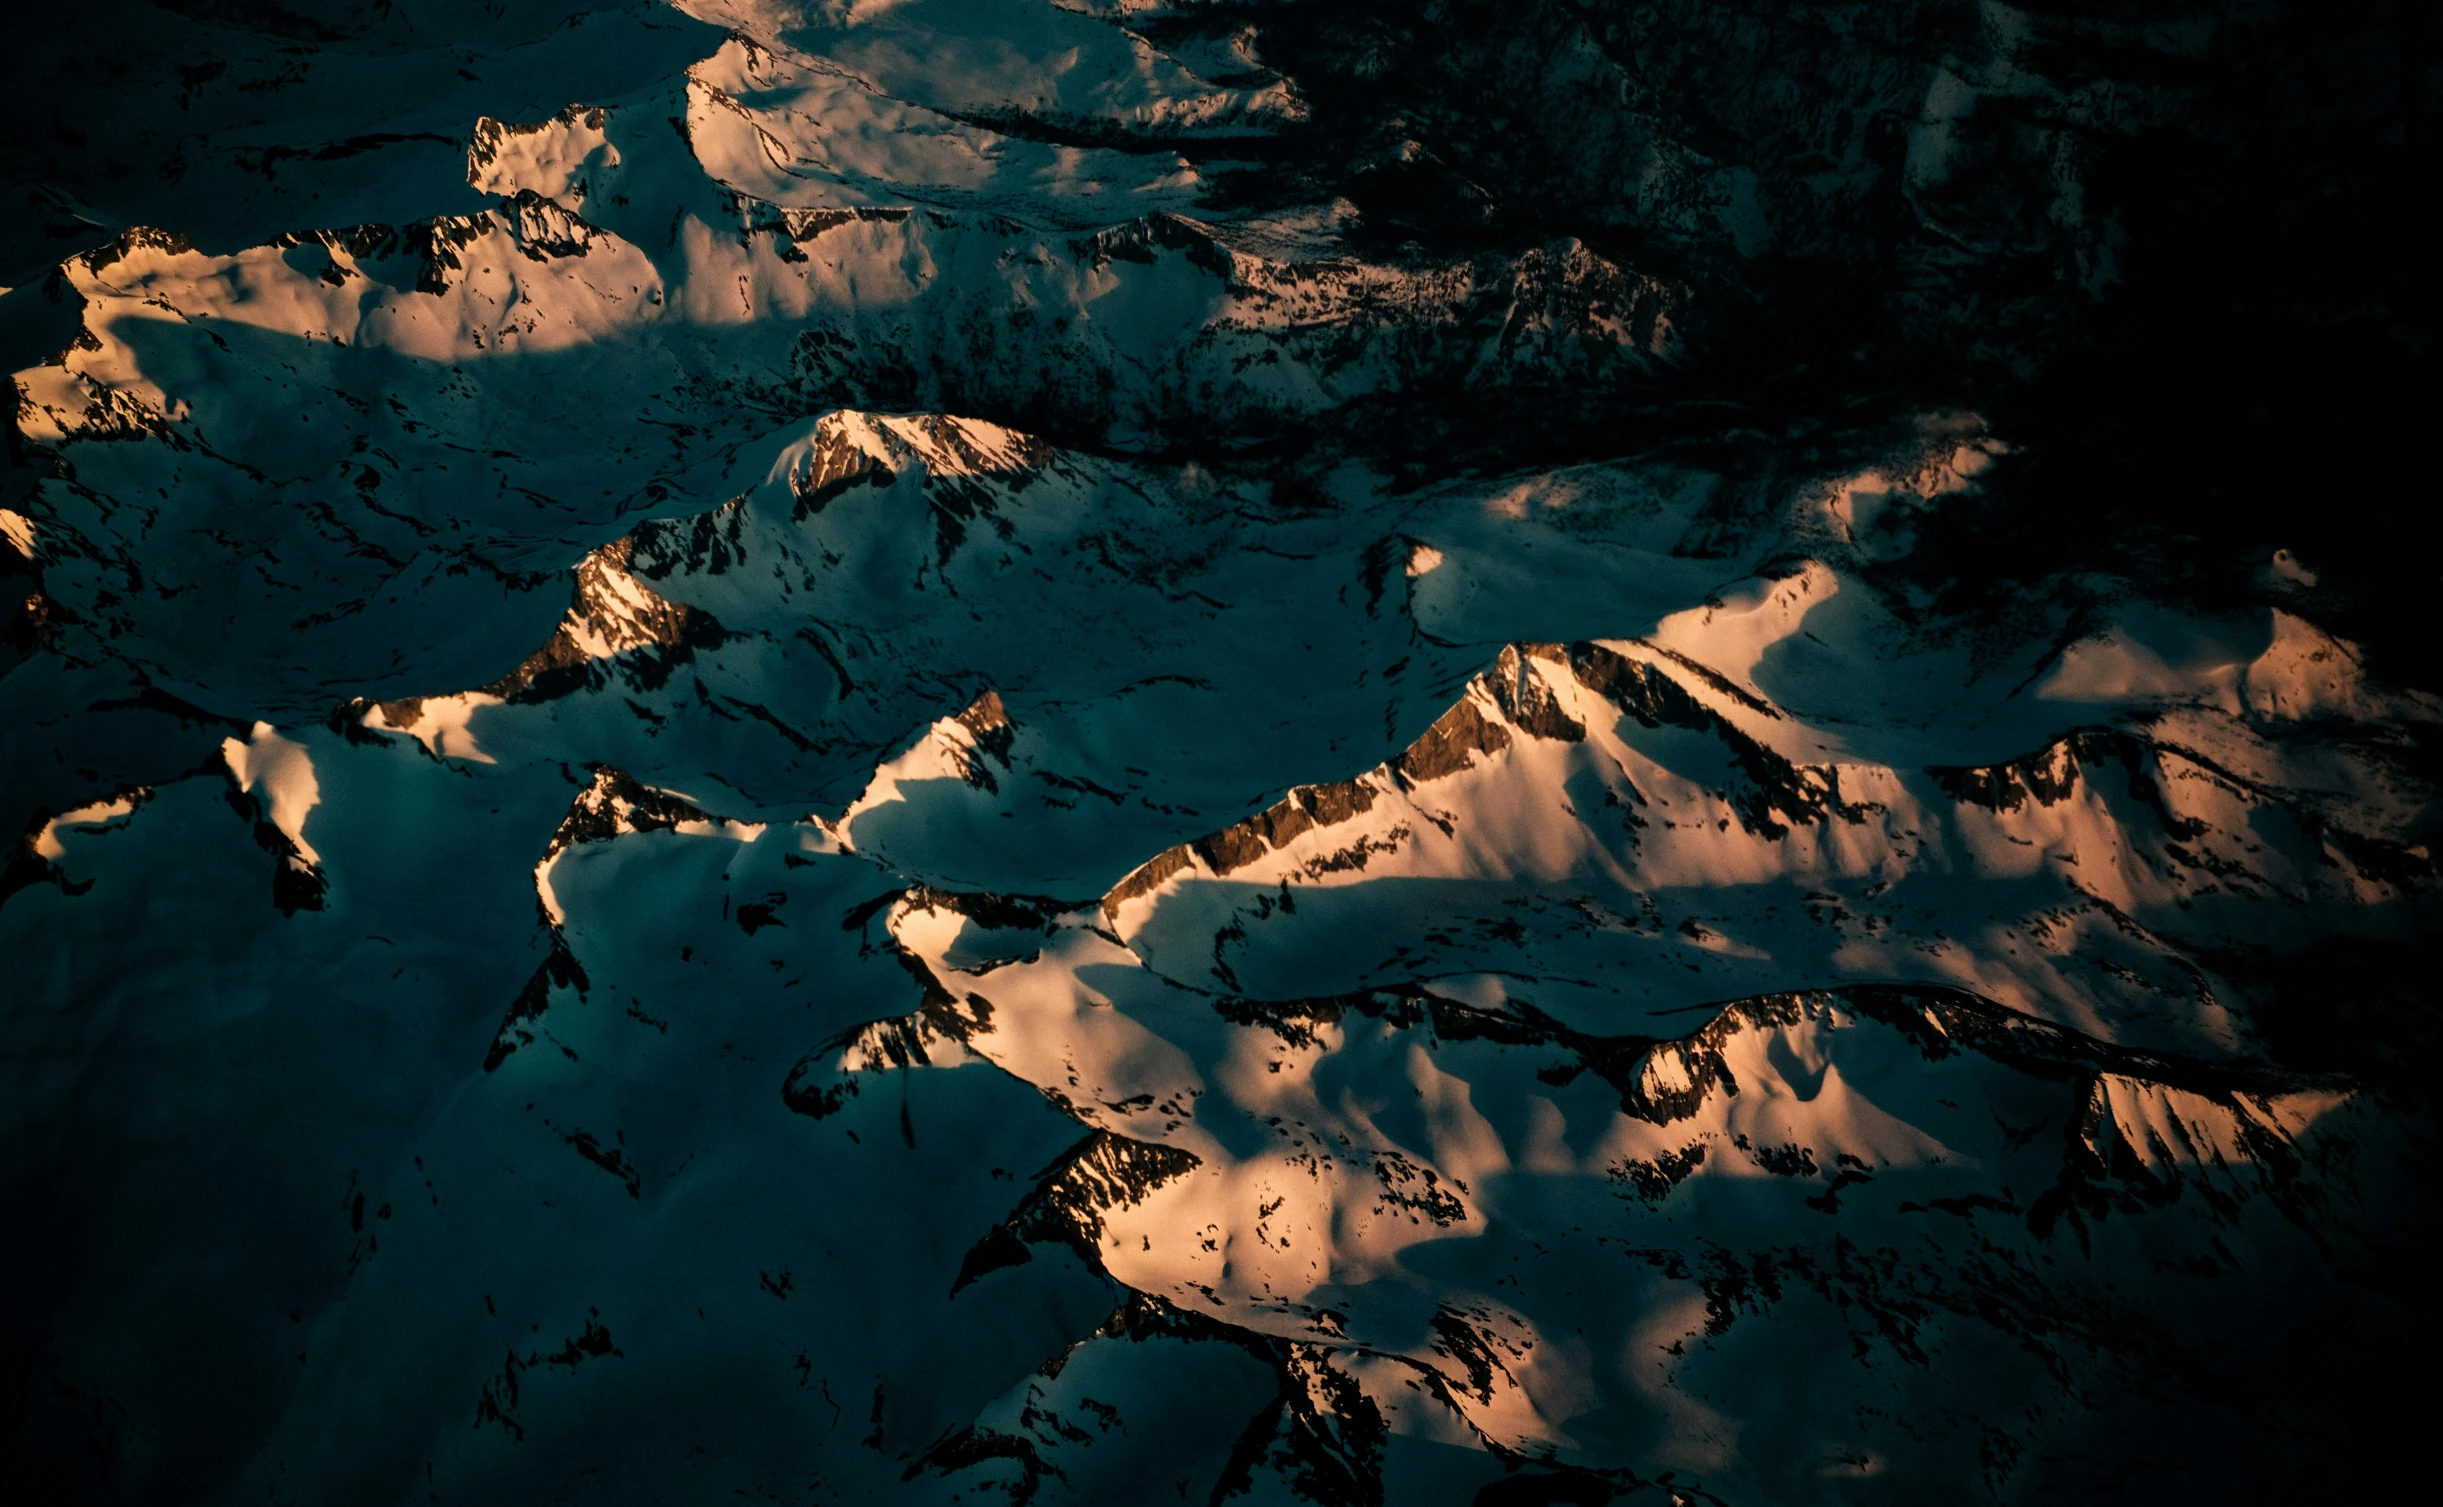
(1279, 752)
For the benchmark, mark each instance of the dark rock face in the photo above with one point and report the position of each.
(2170, 254)
(1240, 750)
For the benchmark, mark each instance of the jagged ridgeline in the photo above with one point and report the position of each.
(1297, 752)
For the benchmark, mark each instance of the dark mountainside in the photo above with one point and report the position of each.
(1121, 750)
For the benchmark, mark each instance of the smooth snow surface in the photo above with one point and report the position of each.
(786, 792)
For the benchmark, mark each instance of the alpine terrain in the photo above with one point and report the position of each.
(1224, 751)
